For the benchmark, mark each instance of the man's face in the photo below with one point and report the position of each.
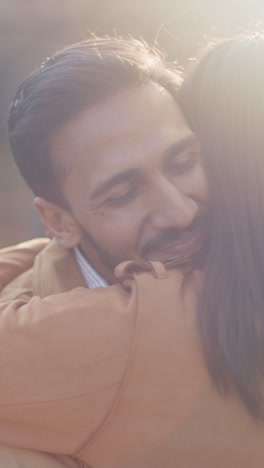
(134, 183)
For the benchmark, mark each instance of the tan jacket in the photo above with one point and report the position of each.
(113, 376)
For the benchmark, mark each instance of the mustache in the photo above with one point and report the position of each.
(171, 235)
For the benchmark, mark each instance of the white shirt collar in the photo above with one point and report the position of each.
(92, 278)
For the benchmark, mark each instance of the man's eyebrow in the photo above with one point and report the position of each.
(124, 176)
(181, 145)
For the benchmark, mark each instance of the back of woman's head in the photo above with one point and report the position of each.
(223, 99)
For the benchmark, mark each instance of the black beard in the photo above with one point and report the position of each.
(106, 259)
(171, 235)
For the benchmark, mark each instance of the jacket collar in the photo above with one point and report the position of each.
(55, 271)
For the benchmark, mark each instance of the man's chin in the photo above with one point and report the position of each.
(197, 256)
(166, 258)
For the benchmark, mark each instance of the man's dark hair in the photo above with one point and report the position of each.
(223, 101)
(72, 80)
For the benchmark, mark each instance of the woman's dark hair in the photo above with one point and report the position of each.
(72, 80)
(223, 100)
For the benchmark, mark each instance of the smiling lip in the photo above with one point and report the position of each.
(186, 245)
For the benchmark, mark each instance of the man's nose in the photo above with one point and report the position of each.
(172, 208)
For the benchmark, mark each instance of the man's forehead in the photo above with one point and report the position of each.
(131, 121)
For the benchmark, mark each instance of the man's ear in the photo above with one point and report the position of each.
(58, 222)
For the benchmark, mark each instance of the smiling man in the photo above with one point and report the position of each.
(135, 187)
(98, 136)
(116, 171)
(134, 375)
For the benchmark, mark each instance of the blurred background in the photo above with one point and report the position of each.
(31, 30)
